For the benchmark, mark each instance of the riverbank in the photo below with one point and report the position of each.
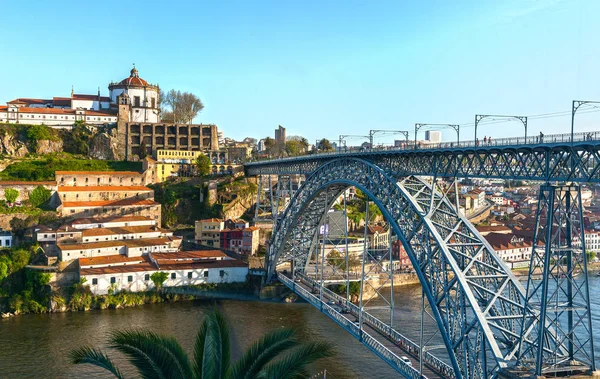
(79, 298)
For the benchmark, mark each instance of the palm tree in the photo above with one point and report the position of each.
(156, 356)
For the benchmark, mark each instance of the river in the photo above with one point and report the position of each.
(37, 346)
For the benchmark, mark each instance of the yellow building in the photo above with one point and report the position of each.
(171, 163)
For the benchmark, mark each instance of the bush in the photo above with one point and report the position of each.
(11, 195)
(39, 196)
(37, 133)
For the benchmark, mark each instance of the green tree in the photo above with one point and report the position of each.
(39, 196)
(158, 278)
(11, 195)
(277, 354)
(271, 147)
(590, 255)
(202, 165)
(324, 145)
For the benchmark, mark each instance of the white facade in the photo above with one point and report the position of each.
(143, 97)
(5, 239)
(113, 223)
(54, 117)
(592, 240)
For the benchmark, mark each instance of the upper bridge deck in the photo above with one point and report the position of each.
(550, 158)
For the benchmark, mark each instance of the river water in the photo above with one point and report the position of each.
(37, 346)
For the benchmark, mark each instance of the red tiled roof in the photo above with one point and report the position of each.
(110, 259)
(134, 81)
(23, 100)
(98, 173)
(204, 263)
(187, 255)
(111, 219)
(3, 108)
(142, 242)
(102, 188)
(211, 220)
(79, 96)
(108, 203)
(148, 266)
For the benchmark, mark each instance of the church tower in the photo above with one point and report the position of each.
(124, 109)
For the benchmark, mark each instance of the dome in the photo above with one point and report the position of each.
(134, 80)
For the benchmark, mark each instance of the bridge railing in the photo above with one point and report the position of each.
(372, 343)
(386, 330)
(489, 143)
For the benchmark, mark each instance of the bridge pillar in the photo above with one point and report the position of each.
(264, 210)
(562, 342)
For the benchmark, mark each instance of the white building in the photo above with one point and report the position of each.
(433, 136)
(64, 112)
(183, 268)
(513, 249)
(5, 239)
(592, 240)
(143, 97)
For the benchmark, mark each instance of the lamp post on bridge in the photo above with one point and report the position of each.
(456, 128)
(373, 132)
(575, 106)
(344, 136)
(479, 117)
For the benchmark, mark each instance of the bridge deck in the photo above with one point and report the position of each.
(555, 158)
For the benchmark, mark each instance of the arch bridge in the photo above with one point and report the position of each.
(488, 322)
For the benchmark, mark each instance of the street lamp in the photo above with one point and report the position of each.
(373, 132)
(479, 117)
(575, 106)
(456, 127)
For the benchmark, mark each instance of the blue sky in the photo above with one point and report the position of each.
(319, 68)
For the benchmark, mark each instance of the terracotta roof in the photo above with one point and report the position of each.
(200, 264)
(495, 228)
(22, 100)
(90, 97)
(147, 266)
(211, 220)
(121, 230)
(252, 228)
(142, 242)
(111, 219)
(102, 188)
(501, 241)
(187, 255)
(98, 173)
(111, 259)
(109, 203)
(3, 108)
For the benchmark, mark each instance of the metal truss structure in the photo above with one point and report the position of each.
(561, 161)
(562, 297)
(265, 205)
(487, 321)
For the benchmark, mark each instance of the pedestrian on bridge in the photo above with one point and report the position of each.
(484, 140)
(489, 140)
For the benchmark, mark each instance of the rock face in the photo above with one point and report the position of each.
(11, 146)
(104, 146)
(48, 147)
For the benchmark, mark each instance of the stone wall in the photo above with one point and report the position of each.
(24, 188)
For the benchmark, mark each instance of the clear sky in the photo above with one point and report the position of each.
(319, 68)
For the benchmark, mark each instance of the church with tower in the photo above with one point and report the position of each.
(132, 106)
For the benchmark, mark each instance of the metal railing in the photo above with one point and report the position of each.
(387, 331)
(420, 146)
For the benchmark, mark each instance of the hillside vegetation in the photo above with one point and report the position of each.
(44, 168)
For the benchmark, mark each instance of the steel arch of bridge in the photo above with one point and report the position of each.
(475, 299)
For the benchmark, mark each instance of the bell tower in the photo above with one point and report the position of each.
(123, 115)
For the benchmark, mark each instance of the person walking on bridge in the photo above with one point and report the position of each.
(484, 140)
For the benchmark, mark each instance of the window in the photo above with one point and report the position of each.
(173, 275)
(112, 280)
(153, 101)
(136, 101)
(206, 274)
(147, 277)
(221, 273)
(94, 281)
(130, 278)
(190, 275)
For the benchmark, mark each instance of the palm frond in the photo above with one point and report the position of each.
(294, 363)
(154, 356)
(213, 358)
(225, 342)
(89, 355)
(199, 348)
(263, 352)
